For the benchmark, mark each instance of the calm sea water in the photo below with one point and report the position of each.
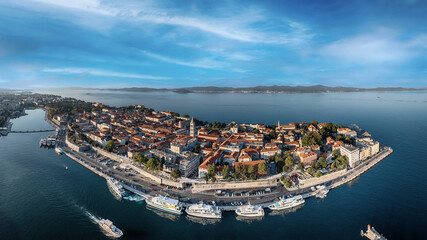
(41, 199)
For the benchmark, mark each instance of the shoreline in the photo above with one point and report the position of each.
(305, 191)
(348, 176)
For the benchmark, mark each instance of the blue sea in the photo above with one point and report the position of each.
(41, 199)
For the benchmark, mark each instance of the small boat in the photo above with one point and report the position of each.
(110, 228)
(59, 150)
(164, 203)
(204, 211)
(321, 191)
(250, 211)
(287, 203)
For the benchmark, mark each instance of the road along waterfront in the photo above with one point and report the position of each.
(390, 196)
(144, 186)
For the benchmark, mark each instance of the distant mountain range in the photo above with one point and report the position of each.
(266, 89)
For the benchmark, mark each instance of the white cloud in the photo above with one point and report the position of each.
(96, 72)
(380, 47)
(202, 63)
(234, 27)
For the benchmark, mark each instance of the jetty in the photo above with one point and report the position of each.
(33, 131)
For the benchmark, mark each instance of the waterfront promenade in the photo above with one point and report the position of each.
(144, 186)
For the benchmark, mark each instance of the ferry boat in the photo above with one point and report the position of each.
(164, 203)
(372, 234)
(250, 211)
(109, 227)
(116, 187)
(287, 203)
(204, 211)
(59, 150)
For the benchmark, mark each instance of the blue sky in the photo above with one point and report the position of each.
(126, 43)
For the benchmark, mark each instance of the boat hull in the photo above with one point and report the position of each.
(286, 206)
(257, 214)
(163, 208)
(201, 215)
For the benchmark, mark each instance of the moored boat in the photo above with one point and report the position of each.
(110, 228)
(204, 211)
(59, 150)
(286, 203)
(321, 191)
(165, 204)
(250, 211)
(116, 188)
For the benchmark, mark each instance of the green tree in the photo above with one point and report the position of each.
(280, 165)
(251, 170)
(287, 154)
(240, 169)
(196, 149)
(289, 161)
(311, 138)
(301, 167)
(277, 157)
(287, 184)
(206, 178)
(319, 174)
(212, 170)
(213, 178)
(335, 153)
(153, 165)
(110, 146)
(256, 131)
(225, 171)
(186, 115)
(322, 162)
(139, 157)
(175, 174)
(262, 168)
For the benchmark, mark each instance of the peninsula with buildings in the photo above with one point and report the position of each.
(175, 161)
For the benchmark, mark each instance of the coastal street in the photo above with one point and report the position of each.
(145, 185)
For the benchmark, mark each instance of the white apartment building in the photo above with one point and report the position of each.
(352, 153)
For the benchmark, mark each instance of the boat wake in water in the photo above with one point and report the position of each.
(134, 197)
(91, 216)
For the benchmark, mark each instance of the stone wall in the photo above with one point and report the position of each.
(261, 183)
(123, 159)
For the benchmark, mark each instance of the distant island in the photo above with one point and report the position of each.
(266, 89)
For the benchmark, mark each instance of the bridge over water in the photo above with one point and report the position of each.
(33, 131)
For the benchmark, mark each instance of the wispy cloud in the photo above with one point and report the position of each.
(96, 72)
(379, 47)
(237, 27)
(201, 63)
